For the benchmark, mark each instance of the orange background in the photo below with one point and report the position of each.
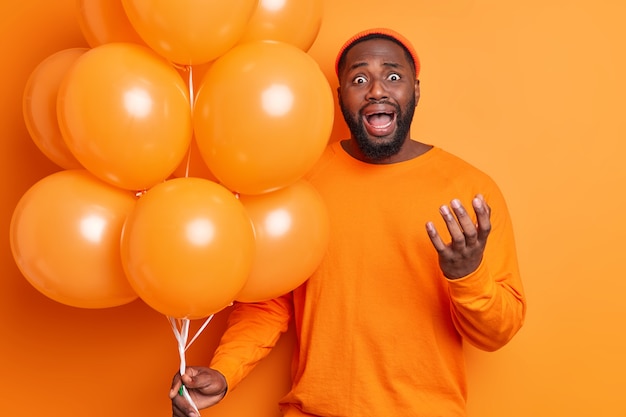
(531, 92)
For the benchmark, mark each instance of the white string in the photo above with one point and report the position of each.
(200, 330)
(181, 332)
(191, 92)
(191, 100)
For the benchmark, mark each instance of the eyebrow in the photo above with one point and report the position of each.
(365, 64)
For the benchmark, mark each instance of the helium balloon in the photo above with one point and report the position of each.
(187, 247)
(292, 229)
(190, 32)
(293, 21)
(262, 117)
(105, 21)
(39, 106)
(125, 114)
(65, 234)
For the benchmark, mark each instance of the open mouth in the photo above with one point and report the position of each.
(379, 123)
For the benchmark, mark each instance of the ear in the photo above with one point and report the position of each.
(417, 91)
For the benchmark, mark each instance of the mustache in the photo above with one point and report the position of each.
(386, 102)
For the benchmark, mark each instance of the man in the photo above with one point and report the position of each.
(381, 323)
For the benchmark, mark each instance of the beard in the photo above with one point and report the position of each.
(379, 151)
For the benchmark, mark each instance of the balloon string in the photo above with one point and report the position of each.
(188, 162)
(191, 91)
(191, 100)
(181, 332)
(200, 330)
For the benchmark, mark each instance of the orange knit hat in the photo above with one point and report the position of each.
(385, 33)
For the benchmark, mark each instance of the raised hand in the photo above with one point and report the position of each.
(465, 251)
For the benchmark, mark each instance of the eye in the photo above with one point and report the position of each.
(359, 80)
(393, 77)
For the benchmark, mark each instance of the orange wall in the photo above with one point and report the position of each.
(532, 92)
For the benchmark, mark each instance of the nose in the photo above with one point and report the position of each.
(377, 91)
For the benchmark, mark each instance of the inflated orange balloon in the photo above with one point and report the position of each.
(292, 230)
(296, 22)
(105, 21)
(125, 114)
(65, 234)
(188, 247)
(39, 106)
(263, 116)
(190, 31)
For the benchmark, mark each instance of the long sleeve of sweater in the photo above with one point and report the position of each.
(488, 305)
(253, 330)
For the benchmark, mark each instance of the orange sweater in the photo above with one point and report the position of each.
(379, 327)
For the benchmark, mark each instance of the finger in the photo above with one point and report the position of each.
(182, 408)
(193, 378)
(465, 222)
(191, 371)
(177, 411)
(439, 245)
(176, 384)
(188, 380)
(482, 200)
(483, 217)
(458, 238)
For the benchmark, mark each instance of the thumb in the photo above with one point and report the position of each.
(189, 380)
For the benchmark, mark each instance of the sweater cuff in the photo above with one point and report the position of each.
(231, 371)
(474, 286)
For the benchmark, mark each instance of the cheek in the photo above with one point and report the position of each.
(407, 98)
(349, 103)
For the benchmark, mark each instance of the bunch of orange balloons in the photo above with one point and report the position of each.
(185, 132)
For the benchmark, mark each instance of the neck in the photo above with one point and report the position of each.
(410, 149)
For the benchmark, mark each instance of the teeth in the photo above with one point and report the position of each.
(375, 119)
(382, 126)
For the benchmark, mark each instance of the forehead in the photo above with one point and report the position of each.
(377, 50)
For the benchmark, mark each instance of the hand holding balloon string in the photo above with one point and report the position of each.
(180, 327)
